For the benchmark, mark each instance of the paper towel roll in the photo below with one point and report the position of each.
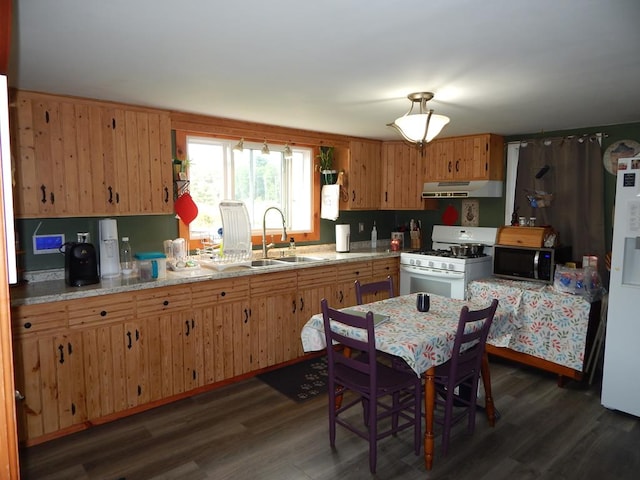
(343, 234)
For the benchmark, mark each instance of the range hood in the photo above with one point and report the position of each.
(476, 188)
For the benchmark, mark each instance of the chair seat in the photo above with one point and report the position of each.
(388, 378)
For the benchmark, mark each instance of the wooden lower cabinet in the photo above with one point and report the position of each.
(82, 361)
(345, 291)
(273, 309)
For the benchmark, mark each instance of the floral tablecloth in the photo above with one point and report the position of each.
(423, 340)
(553, 324)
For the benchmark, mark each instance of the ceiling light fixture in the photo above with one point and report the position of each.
(288, 153)
(265, 148)
(421, 127)
(239, 146)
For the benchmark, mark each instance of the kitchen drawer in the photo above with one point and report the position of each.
(43, 317)
(314, 277)
(273, 283)
(218, 291)
(386, 267)
(350, 272)
(102, 309)
(158, 300)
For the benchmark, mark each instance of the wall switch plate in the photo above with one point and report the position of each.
(51, 243)
(360, 227)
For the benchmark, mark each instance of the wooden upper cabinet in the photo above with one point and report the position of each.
(472, 157)
(403, 175)
(362, 168)
(79, 157)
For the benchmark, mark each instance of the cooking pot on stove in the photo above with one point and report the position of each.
(467, 249)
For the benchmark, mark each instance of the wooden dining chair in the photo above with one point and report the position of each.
(384, 393)
(456, 381)
(371, 290)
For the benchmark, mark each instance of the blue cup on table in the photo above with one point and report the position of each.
(422, 302)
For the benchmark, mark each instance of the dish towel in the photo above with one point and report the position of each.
(329, 209)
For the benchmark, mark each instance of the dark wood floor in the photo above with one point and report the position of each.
(249, 431)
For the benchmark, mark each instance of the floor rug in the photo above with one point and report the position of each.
(301, 381)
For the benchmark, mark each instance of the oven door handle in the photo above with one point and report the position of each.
(432, 272)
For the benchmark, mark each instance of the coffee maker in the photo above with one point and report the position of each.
(80, 264)
(109, 248)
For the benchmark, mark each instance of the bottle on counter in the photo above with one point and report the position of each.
(292, 247)
(374, 236)
(126, 257)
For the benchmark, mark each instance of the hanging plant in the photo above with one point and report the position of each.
(326, 158)
(326, 165)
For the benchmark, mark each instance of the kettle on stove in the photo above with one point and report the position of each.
(80, 264)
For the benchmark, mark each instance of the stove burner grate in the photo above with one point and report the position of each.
(446, 253)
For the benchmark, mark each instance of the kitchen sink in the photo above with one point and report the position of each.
(297, 259)
(265, 262)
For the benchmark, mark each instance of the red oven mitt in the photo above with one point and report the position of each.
(186, 208)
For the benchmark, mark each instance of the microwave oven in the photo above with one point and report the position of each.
(528, 263)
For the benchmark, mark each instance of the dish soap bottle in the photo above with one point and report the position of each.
(126, 257)
(292, 247)
(374, 236)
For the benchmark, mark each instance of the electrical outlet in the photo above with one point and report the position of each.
(47, 243)
(360, 227)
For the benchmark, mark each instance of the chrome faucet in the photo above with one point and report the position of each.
(266, 247)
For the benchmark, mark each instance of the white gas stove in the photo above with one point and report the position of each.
(438, 271)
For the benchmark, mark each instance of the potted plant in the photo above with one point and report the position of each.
(326, 165)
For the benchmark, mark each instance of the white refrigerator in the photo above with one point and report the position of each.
(621, 374)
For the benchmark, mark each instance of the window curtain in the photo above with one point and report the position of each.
(571, 170)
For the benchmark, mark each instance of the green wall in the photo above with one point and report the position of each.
(145, 233)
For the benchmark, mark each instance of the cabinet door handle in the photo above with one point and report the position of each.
(73, 409)
(449, 166)
(165, 303)
(61, 349)
(222, 294)
(46, 116)
(44, 193)
(139, 390)
(301, 304)
(69, 348)
(457, 165)
(117, 197)
(137, 335)
(52, 198)
(353, 195)
(129, 345)
(110, 194)
(103, 313)
(187, 331)
(293, 306)
(341, 296)
(386, 197)
(246, 315)
(166, 195)
(19, 396)
(27, 325)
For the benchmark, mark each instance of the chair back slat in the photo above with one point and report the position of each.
(374, 288)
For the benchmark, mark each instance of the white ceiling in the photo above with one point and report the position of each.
(342, 66)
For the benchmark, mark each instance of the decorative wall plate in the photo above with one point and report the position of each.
(470, 213)
(619, 149)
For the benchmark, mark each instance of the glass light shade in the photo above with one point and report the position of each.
(239, 146)
(265, 149)
(412, 127)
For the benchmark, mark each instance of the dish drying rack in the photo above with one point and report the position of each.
(236, 246)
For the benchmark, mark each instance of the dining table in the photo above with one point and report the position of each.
(423, 340)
